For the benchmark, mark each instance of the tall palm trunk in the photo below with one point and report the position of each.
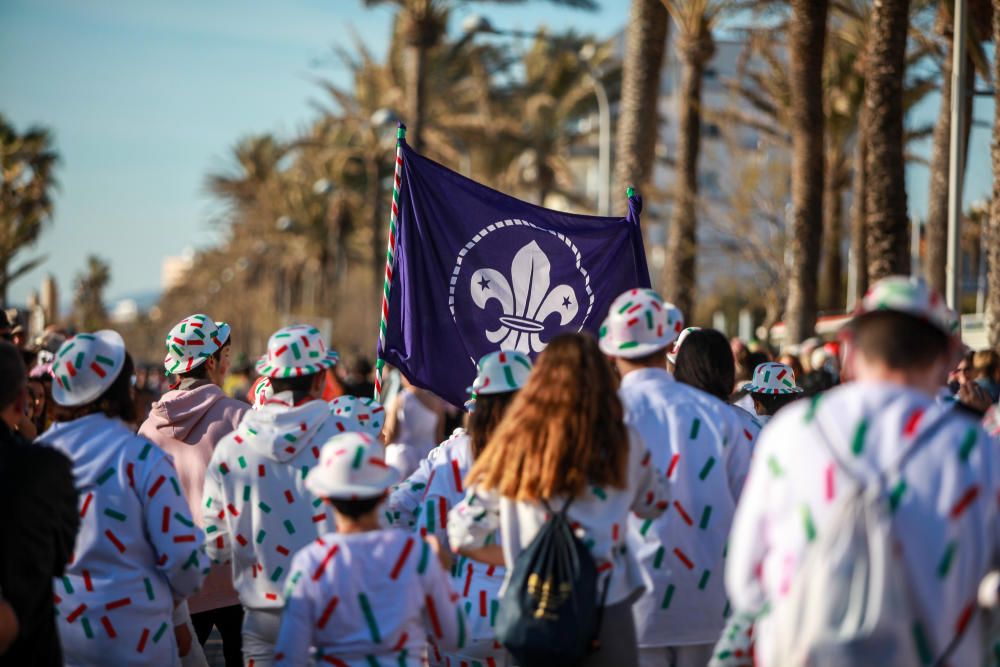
(885, 188)
(937, 203)
(679, 278)
(638, 119)
(416, 75)
(806, 37)
(832, 293)
(859, 198)
(993, 240)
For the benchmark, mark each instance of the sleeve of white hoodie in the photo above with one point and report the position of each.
(218, 544)
(171, 532)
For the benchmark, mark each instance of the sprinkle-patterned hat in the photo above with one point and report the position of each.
(773, 378)
(675, 350)
(85, 366)
(501, 372)
(638, 324)
(912, 297)
(260, 392)
(295, 351)
(351, 466)
(193, 340)
(363, 415)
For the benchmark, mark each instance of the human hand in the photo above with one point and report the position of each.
(183, 635)
(971, 395)
(444, 556)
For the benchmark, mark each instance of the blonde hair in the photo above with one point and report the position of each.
(564, 430)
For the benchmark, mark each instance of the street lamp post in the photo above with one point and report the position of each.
(956, 158)
(480, 24)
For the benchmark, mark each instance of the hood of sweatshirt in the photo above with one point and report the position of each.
(280, 431)
(185, 414)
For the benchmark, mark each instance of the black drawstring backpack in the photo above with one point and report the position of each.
(549, 615)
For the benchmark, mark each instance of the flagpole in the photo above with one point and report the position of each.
(390, 258)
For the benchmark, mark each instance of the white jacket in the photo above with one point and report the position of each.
(704, 449)
(137, 550)
(257, 510)
(367, 598)
(945, 502)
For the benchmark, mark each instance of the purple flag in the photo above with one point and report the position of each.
(477, 271)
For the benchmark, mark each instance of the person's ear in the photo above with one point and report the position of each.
(211, 364)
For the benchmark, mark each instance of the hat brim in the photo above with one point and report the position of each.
(321, 487)
(72, 399)
(265, 368)
(754, 389)
(635, 351)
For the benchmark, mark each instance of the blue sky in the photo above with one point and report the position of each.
(146, 98)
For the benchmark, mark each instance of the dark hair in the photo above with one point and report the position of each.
(900, 341)
(744, 370)
(200, 372)
(298, 383)
(774, 402)
(13, 374)
(116, 401)
(355, 509)
(483, 420)
(705, 361)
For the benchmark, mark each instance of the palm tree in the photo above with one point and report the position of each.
(88, 295)
(422, 24)
(806, 37)
(27, 162)
(638, 116)
(937, 203)
(885, 184)
(993, 239)
(694, 20)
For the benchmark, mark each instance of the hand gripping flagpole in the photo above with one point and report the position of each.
(390, 259)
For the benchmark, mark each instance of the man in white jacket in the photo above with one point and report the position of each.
(943, 498)
(701, 445)
(257, 510)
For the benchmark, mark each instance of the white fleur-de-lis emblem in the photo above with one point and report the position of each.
(525, 300)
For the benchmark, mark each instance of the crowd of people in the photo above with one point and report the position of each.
(834, 504)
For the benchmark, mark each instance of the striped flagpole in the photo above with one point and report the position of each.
(390, 259)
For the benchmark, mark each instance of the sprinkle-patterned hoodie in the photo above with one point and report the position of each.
(137, 551)
(256, 508)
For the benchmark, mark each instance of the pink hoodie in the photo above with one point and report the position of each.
(187, 424)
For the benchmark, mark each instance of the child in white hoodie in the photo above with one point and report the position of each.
(364, 595)
(138, 551)
(256, 508)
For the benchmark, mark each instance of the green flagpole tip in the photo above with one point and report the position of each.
(401, 131)
(630, 192)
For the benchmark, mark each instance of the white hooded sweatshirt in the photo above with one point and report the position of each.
(136, 552)
(257, 510)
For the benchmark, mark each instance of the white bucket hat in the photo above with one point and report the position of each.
(501, 372)
(85, 366)
(351, 467)
(675, 350)
(193, 340)
(352, 413)
(912, 297)
(773, 378)
(295, 351)
(638, 324)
